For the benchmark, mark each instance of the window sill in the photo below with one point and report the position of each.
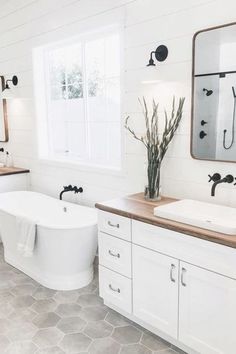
(80, 166)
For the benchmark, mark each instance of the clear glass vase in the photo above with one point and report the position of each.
(152, 189)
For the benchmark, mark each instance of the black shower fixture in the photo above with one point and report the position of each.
(208, 92)
(161, 53)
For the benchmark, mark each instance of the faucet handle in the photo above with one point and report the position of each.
(215, 177)
(229, 178)
(77, 190)
(66, 188)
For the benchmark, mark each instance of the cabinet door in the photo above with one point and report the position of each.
(207, 314)
(155, 289)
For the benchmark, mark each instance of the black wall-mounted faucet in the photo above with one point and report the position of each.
(69, 188)
(1, 149)
(216, 178)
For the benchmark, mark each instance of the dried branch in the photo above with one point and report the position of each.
(156, 147)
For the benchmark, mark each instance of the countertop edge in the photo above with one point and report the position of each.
(16, 172)
(167, 224)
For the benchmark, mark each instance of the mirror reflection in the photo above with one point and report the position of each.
(214, 94)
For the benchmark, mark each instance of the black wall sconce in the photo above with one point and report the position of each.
(5, 92)
(161, 53)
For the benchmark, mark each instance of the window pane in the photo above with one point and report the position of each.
(57, 67)
(103, 102)
(96, 109)
(58, 92)
(112, 56)
(94, 54)
(83, 103)
(113, 99)
(57, 111)
(74, 74)
(75, 111)
(99, 140)
(58, 136)
(77, 143)
(114, 143)
(75, 91)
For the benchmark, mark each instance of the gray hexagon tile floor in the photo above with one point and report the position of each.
(34, 319)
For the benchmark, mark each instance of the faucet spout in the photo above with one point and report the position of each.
(213, 188)
(226, 179)
(69, 188)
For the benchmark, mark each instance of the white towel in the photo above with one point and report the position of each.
(27, 235)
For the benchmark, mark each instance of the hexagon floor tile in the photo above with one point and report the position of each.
(37, 320)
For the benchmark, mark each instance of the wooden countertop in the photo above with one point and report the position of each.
(137, 208)
(6, 171)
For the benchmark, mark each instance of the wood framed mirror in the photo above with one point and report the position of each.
(4, 134)
(213, 128)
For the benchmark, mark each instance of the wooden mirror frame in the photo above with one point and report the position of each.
(192, 90)
(4, 104)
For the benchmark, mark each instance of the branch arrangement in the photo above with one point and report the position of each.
(155, 142)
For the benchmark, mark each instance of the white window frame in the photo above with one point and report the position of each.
(41, 103)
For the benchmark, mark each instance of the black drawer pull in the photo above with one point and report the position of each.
(113, 289)
(113, 225)
(113, 254)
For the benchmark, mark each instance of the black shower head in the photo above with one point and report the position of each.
(208, 92)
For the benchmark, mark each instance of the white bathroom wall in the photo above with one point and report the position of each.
(25, 24)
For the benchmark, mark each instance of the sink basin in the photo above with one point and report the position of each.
(205, 215)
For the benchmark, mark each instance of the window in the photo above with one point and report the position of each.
(79, 112)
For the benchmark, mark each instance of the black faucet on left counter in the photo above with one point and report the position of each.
(69, 188)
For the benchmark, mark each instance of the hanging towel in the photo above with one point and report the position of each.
(27, 235)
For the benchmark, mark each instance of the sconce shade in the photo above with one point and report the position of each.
(14, 80)
(161, 53)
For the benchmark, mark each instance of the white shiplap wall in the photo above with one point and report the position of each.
(25, 24)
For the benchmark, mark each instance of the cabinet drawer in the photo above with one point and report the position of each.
(202, 253)
(116, 225)
(115, 289)
(115, 254)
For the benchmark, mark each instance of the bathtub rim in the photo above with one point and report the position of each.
(53, 226)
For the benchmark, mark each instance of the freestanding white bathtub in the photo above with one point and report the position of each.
(66, 240)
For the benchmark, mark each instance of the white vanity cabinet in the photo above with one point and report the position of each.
(155, 289)
(180, 287)
(207, 311)
(14, 182)
(114, 239)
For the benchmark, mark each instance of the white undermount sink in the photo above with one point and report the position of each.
(205, 215)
